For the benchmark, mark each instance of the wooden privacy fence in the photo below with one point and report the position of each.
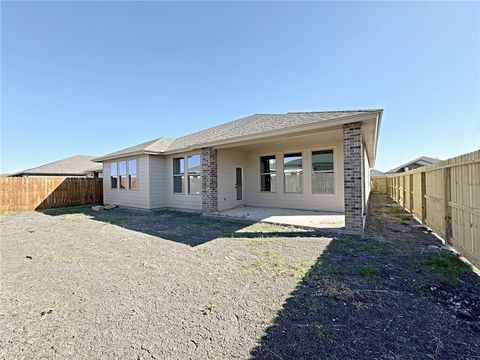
(35, 193)
(445, 196)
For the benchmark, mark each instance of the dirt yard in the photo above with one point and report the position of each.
(122, 284)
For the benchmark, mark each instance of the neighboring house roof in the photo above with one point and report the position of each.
(374, 172)
(72, 166)
(418, 162)
(251, 127)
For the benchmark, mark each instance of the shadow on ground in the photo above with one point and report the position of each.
(187, 228)
(399, 294)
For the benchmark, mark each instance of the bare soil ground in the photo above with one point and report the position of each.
(122, 284)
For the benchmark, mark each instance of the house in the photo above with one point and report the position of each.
(73, 166)
(299, 160)
(374, 172)
(419, 162)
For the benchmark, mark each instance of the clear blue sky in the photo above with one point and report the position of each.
(94, 77)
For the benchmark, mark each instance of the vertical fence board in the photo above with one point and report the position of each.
(446, 197)
(36, 193)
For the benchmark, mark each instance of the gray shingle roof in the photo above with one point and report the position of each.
(154, 146)
(421, 161)
(73, 165)
(374, 172)
(257, 124)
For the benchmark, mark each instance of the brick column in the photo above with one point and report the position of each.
(352, 163)
(209, 181)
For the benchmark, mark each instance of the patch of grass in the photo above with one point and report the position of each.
(315, 304)
(282, 313)
(330, 357)
(299, 270)
(322, 268)
(447, 268)
(59, 258)
(113, 217)
(420, 289)
(374, 248)
(209, 308)
(80, 209)
(399, 213)
(368, 271)
(404, 217)
(321, 331)
(367, 246)
(396, 210)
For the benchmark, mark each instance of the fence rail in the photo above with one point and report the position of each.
(445, 196)
(35, 193)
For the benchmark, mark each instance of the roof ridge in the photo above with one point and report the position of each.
(333, 111)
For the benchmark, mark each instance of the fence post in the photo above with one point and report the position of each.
(423, 192)
(448, 195)
(410, 188)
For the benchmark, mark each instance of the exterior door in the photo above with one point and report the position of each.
(238, 183)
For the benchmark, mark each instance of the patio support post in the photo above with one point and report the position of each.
(209, 181)
(352, 162)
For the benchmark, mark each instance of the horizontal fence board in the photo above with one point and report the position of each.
(36, 193)
(448, 203)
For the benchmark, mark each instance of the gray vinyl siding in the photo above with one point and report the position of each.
(138, 198)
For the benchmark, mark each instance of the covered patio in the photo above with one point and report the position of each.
(333, 221)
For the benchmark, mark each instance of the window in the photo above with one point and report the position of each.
(113, 176)
(122, 174)
(194, 174)
(132, 174)
(322, 175)
(178, 175)
(268, 174)
(292, 170)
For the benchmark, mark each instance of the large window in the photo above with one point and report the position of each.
(292, 170)
(268, 174)
(178, 175)
(132, 174)
(194, 174)
(323, 176)
(113, 176)
(122, 175)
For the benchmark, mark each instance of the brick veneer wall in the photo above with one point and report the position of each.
(209, 181)
(353, 162)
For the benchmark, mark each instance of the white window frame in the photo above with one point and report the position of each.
(181, 175)
(302, 171)
(136, 175)
(116, 175)
(127, 173)
(269, 173)
(188, 174)
(334, 170)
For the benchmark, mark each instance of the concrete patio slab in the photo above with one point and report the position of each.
(302, 218)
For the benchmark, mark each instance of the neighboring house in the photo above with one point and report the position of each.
(414, 164)
(303, 160)
(374, 172)
(73, 166)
